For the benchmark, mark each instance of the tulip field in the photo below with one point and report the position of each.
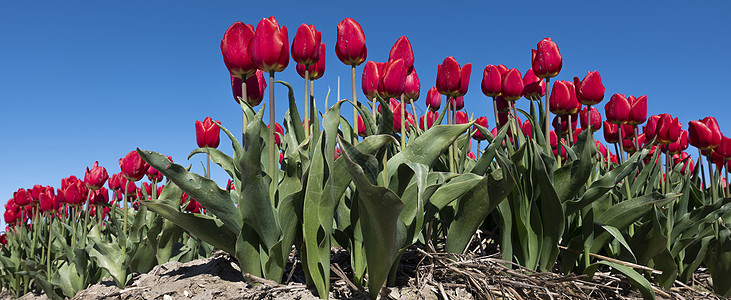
(644, 205)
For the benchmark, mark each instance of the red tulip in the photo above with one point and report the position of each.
(371, 78)
(492, 81)
(133, 167)
(207, 133)
(547, 60)
(402, 49)
(74, 190)
(10, 217)
(459, 101)
(589, 91)
(278, 134)
(461, 118)
(96, 177)
(412, 86)
(350, 46)
(534, 88)
(527, 129)
(235, 50)
(688, 165)
(22, 197)
(255, 86)
(629, 143)
(453, 80)
(638, 110)
(668, 129)
(392, 105)
(270, 46)
(704, 134)
(611, 132)
(100, 197)
(393, 79)
(433, 99)
(617, 109)
(724, 148)
(482, 121)
(563, 98)
(306, 45)
(361, 127)
(35, 192)
(431, 117)
(397, 118)
(565, 123)
(678, 145)
(502, 105)
(650, 127)
(317, 69)
(154, 175)
(512, 85)
(596, 119)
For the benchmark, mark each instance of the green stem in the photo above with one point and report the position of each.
(272, 144)
(451, 149)
(713, 179)
(547, 122)
(86, 217)
(403, 123)
(307, 92)
(355, 110)
(244, 97)
(124, 210)
(48, 250)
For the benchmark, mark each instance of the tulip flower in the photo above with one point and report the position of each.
(617, 109)
(22, 197)
(453, 80)
(270, 46)
(564, 124)
(315, 70)
(527, 129)
(306, 45)
(546, 60)
(207, 133)
(563, 98)
(724, 148)
(704, 134)
(492, 81)
(133, 167)
(101, 197)
(402, 50)
(668, 130)
(278, 134)
(590, 90)
(154, 175)
(361, 127)
(74, 190)
(35, 192)
(431, 117)
(10, 217)
(533, 87)
(371, 78)
(255, 86)
(459, 101)
(478, 136)
(611, 132)
(686, 160)
(393, 79)
(596, 119)
(433, 99)
(96, 177)
(638, 110)
(461, 118)
(650, 127)
(235, 50)
(512, 85)
(397, 119)
(350, 46)
(412, 86)
(678, 145)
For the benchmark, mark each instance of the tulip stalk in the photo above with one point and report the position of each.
(124, 210)
(307, 93)
(547, 128)
(703, 173)
(712, 178)
(355, 110)
(667, 172)
(494, 108)
(728, 188)
(621, 144)
(48, 250)
(244, 97)
(571, 131)
(558, 142)
(272, 144)
(403, 123)
(416, 116)
(451, 149)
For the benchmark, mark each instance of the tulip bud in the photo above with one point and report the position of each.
(10, 217)
(207, 133)
(393, 79)
(458, 100)
(402, 50)
(235, 50)
(133, 167)
(431, 117)
(638, 110)
(412, 86)
(22, 197)
(492, 81)
(668, 129)
(547, 60)
(678, 145)
(478, 136)
(704, 134)
(512, 85)
(371, 78)
(397, 118)
(724, 148)
(306, 45)
(461, 118)
(563, 98)
(686, 160)
(255, 86)
(650, 127)
(596, 119)
(611, 132)
(589, 91)
(317, 69)
(278, 134)
(453, 80)
(433, 99)
(350, 46)
(270, 46)
(96, 177)
(99, 197)
(361, 127)
(534, 88)
(527, 129)
(617, 109)
(154, 175)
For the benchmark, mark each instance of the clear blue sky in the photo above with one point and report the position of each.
(82, 81)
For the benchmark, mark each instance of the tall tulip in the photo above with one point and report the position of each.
(650, 127)
(133, 166)
(402, 49)
(704, 134)
(596, 119)
(453, 80)
(617, 109)
(563, 98)
(533, 87)
(546, 62)
(351, 50)
(433, 99)
(255, 86)
(306, 52)
(590, 90)
(96, 177)
(668, 129)
(235, 50)
(207, 133)
(393, 79)
(478, 136)
(316, 70)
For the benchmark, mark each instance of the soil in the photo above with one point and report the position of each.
(422, 275)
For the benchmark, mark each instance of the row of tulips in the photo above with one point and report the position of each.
(61, 240)
(550, 196)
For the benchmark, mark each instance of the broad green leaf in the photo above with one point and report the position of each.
(619, 237)
(570, 178)
(552, 213)
(427, 147)
(109, 256)
(718, 261)
(485, 160)
(639, 282)
(293, 115)
(206, 228)
(224, 161)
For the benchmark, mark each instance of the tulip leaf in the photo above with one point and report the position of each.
(718, 261)
(639, 282)
(109, 256)
(386, 125)
(224, 161)
(570, 178)
(379, 209)
(486, 159)
(293, 115)
(368, 122)
(551, 212)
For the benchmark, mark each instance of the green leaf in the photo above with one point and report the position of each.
(107, 255)
(718, 261)
(552, 213)
(619, 237)
(293, 115)
(484, 162)
(206, 228)
(639, 282)
(224, 161)
(570, 178)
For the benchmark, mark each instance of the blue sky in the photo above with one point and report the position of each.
(82, 81)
